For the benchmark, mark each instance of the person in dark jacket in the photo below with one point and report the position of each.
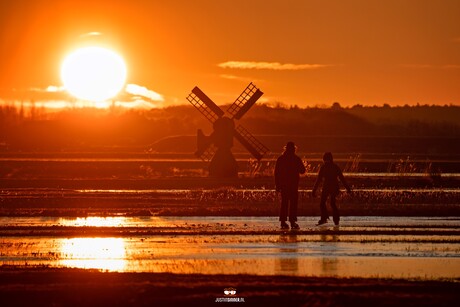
(287, 172)
(329, 173)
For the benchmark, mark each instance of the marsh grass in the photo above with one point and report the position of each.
(352, 165)
(362, 197)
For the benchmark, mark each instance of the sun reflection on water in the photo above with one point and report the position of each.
(108, 254)
(95, 221)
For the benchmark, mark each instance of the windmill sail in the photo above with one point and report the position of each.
(204, 105)
(216, 148)
(245, 101)
(207, 154)
(256, 148)
(203, 144)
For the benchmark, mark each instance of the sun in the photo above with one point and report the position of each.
(93, 73)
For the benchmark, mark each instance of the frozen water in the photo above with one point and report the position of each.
(393, 247)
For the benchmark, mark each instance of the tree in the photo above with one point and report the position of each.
(336, 106)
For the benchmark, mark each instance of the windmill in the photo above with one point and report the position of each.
(216, 147)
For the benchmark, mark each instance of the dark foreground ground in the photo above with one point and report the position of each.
(45, 286)
(74, 287)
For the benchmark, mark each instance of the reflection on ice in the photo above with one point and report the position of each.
(288, 260)
(236, 223)
(108, 254)
(291, 254)
(117, 221)
(195, 245)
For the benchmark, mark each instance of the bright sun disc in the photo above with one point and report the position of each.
(93, 73)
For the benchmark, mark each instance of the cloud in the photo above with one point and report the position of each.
(143, 92)
(54, 89)
(270, 65)
(233, 77)
(431, 66)
(89, 34)
(56, 97)
(451, 66)
(36, 94)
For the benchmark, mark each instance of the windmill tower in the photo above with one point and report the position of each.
(216, 147)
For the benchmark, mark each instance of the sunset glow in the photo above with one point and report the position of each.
(196, 152)
(305, 53)
(93, 73)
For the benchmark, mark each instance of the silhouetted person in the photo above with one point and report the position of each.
(329, 173)
(287, 172)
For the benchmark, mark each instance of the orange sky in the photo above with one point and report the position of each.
(297, 51)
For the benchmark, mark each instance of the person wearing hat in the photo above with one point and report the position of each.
(329, 173)
(287, 172)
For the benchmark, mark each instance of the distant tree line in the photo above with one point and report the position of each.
(84, 129)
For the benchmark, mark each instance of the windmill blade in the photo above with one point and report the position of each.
(207, 153)
(204, 105)
(203, 144)
(245, 101)
(254, 146)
